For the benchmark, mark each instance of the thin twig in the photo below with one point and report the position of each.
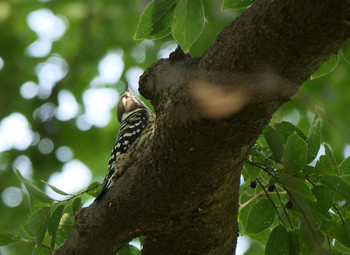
(284, 209)
(279, 216)
(333, 205)
(341, 217)
(262, 193)
(79, 194)
(329, 242)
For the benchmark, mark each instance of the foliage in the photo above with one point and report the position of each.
(311, 200)
(311, 197)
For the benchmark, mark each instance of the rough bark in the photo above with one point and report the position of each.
(183, 193)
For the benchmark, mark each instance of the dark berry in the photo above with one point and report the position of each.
(253, 184)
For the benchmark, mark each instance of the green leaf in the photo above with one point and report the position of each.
(38, 223)
(56, 189)
(244, 212)
(95, 191)
(324, 166)
(141, 239)
(134, 250)
(41, 250)
(338, 231)
(329, 153)
(296, 186)
(294, 242)
(54, 222)
(314, 139)
(346, 51)
(260, 217)
(295, 155)
(187, 22)
(236, 4)
(76, 205)
(256, 157)
(252, 171)
(65, 229)
(33, 190)
(336, 184)
(278, 242)
(261, 237)
(155, 21)
(286, 129)
(327, 67)
(274, 141)
(125, 250)
(309, 169)
(8, 238)
(345, 166)
(27, 234)
(324, 198)
(310, 239)
(341, 248)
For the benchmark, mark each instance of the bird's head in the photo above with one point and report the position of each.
(128, 103)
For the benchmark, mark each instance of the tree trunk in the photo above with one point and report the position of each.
(183, 193)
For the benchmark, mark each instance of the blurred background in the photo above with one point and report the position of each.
(63, 65)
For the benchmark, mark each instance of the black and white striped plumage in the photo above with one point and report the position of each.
(136, 129)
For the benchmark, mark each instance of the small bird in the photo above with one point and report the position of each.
(137, 126)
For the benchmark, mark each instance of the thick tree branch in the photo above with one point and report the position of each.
(183, 192)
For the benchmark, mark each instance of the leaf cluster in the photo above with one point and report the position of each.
(292, 201)
(50, 222)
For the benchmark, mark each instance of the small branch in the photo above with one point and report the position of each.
(341, 217)
(279, 216)
(262, 193)
(284, 209)
(329, 242)
(79, 194)
(333, 205)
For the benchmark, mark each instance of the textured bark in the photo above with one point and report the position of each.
(183, 193)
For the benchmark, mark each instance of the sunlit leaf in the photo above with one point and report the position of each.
(33, 190)
(65, 228)
(327, 67)
(188, 22)
(295, 154)
(260, 217)
(314, 139)
(95, 191)
(155, 21)
(141, 239)
(134, 250)
(278, 242)
(56, 189)
(236, 4)
(8, 238)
